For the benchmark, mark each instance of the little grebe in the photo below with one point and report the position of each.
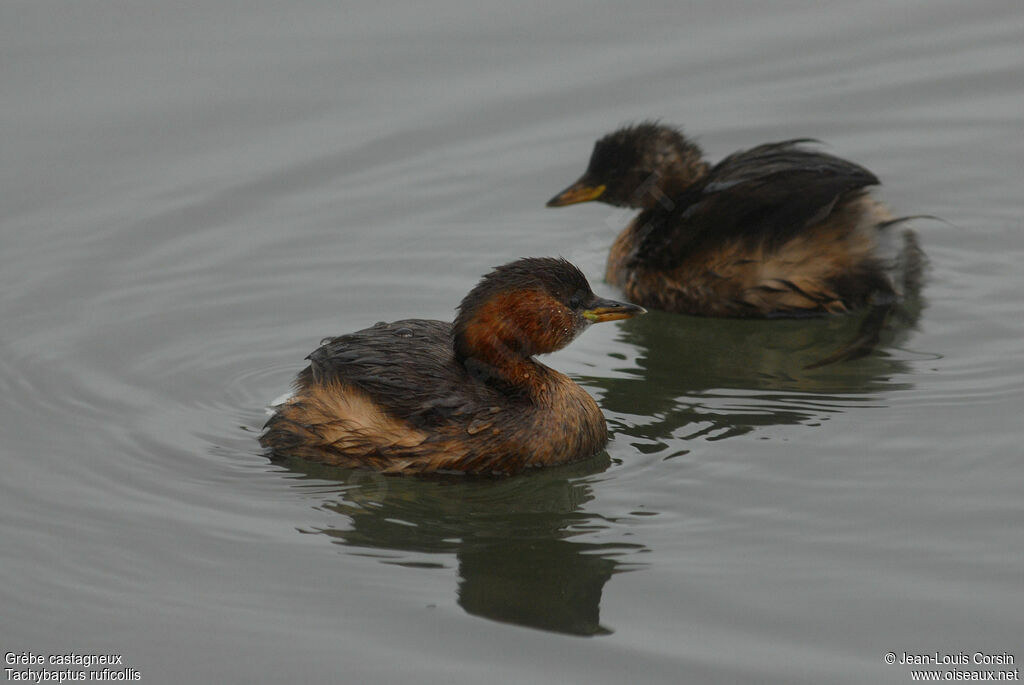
(419, 396)
(777, 230)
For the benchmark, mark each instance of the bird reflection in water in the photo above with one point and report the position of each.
(523, 545)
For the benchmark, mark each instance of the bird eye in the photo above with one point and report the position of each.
(575, 301)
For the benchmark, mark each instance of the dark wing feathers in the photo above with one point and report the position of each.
(771, 165)
(427, 390)
(767, 193)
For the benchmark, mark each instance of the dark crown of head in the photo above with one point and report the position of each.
(555, 276)
(641, 145)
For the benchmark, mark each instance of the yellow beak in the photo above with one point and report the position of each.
(610, 310)
(580, 191)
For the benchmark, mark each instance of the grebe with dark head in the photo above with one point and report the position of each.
(420, 396)
(777, 230)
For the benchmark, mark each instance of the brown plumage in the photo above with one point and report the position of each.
(777, 230)
(418, 396)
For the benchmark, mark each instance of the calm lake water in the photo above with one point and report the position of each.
(194, 194)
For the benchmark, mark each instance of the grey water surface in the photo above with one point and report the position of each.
(193, 194)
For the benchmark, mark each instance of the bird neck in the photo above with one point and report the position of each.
(497, 341)
(663, 187)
